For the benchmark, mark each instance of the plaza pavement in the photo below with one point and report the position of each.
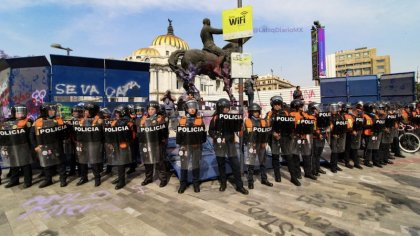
(371, 201)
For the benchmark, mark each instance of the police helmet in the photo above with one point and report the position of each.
(334, 107)
(191, 104)
(254, 107)
(312, 106)
(359, 105)
(45, 107)
(412, 106)
(139, 108)
(346, 107)
(92, 108)
(153, 104)
(296, 104)
(104, 112)
(368, 107)
(19, 109)
(380, 106)
(276, 100)
(78, 109)
(221, 104)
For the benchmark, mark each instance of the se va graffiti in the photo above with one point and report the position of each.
(93, 90)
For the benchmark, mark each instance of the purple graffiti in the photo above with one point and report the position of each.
(38, 96)
(69, 204)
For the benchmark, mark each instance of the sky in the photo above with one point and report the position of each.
(115, 28)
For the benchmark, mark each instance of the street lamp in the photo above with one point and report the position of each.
(57, 45)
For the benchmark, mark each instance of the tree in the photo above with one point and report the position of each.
(3, 54)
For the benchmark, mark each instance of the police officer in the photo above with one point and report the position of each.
(190, 136)
(222, 130)
(15, 149)
(323, 120)
(69, 146)
(256, 131)
(276, 103)
(356, 134)
(395, 133)
(152, 131)
(47, 135)
(134, 145)
(346, 110)
(337, 135)
(89, 146)
(302, 139)
(373, 135)
(387, 136)
(118, 138)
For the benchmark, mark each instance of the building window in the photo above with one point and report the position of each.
(357, 55)
(341, 58)
(167, 53)
(348, 55)
(138, 57)
(380, 61)
(381, 67)
(366, 54)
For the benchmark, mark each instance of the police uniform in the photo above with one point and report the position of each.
(89, 144)
(152, 132)
(373, 136)
(302, 141)
(190, 137)
(339, 127)
(47, 135)
(256, 132)
(118, 138)
(222, 131)
(15, 148)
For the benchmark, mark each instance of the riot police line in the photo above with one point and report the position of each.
(96, 137)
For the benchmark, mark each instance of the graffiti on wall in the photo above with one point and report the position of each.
(28, 86)
(122, 90)
(78, 90)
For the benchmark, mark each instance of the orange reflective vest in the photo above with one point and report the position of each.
(350, 120)
(369, 122)
(198, 121)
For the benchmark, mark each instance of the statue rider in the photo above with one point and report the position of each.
(207, 38)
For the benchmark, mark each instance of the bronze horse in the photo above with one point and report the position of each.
(200, 62)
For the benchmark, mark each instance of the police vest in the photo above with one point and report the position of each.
(368, 123)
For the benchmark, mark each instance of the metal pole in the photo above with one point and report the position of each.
(241, 103)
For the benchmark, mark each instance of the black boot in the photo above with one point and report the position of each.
(14, 177)
(149, 174)
(276, 167)
(96, 169)
(307, 167)
(183, 181)
(132, 168)
(196, 179)
(298, 171)
(250, 176)
(63, 182)
(83, 174)
(222, 173)
(333, 162)
(27, 176)
(47, 177)
(292, 170)
(121, 177)
(264, 179)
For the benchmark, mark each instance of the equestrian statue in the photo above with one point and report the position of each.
(211, 61)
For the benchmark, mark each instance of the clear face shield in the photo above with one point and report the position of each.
(52, 111)
(191, 107)
(21, 112)
(334, 108)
